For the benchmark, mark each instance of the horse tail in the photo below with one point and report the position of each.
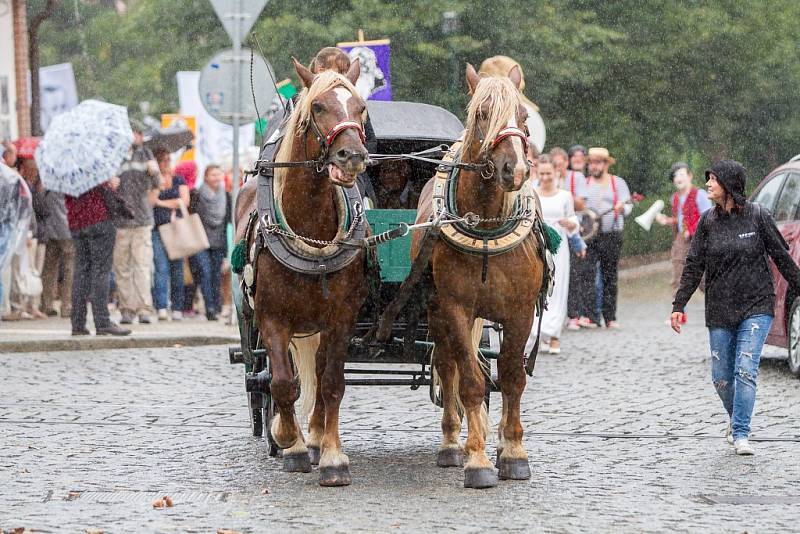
(304, 351)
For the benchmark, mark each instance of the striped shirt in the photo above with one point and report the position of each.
(600, 199)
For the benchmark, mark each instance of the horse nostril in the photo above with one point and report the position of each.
(507, 169)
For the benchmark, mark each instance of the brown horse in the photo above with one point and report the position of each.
(290, 304)
(494, 138)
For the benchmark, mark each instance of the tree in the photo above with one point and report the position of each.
(33, 58)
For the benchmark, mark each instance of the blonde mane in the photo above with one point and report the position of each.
(505, 98)
(298, 121)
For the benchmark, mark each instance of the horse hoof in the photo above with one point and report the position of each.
(514, 469)
(313, 453)
(450, 458)
(297, 463)
(480, 478)
(338, 475)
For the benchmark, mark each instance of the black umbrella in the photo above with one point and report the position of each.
(172, 138)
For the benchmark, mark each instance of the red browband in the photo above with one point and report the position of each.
(342, 126)
(511, 131)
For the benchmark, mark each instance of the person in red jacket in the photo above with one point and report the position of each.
(688, 204)
(94, 234)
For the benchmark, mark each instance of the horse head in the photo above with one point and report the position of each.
(496, 134)
(333, 113)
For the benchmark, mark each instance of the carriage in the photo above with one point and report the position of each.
(404, 358)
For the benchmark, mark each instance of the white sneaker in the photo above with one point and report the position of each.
(729, 434)
(573, 325)
(743, 447)
(162, 315)
(177, 316)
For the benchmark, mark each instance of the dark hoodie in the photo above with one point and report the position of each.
(732, 250)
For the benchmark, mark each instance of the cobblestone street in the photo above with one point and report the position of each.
(624, 432)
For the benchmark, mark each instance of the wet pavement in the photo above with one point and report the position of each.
(624, 432)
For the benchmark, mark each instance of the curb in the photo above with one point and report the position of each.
(108, 343)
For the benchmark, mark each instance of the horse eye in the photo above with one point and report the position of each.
(317, 107)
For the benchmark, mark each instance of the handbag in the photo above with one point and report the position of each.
(183, 236)
(116, 205)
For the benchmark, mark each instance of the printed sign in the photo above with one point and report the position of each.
(375, 80)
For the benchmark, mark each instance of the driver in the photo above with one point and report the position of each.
(394, 188)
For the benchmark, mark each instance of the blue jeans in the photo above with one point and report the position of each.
(169, 275)
(735, 355)
(209, 263)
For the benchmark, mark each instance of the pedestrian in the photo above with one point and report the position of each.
(688, 204)
(558, 211)
(168, 283)
(191, 270)
(25, 273)
(730, 247)
(15, 210)
(577, 158)
(575, 182)
(571, 180)
(213, 206)
(609, 197)
(133, 253)
(93, 234)
(59, 256)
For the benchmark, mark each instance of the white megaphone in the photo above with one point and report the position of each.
(645, 220)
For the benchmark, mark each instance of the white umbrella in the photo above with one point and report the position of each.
(84, 147)
(16, 210)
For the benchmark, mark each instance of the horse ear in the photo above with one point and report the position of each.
(472, 78)
(354, 71)
(306, 76)
(515, 75)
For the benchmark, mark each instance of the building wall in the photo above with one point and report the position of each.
(8, 93)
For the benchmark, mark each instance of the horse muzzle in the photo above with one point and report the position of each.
(345, 166)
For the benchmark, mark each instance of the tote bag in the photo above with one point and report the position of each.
(183, 236)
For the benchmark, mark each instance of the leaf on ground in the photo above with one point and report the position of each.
(158, 503)
(226, 531)
(93, 531)
(265, 491)
(167, 500)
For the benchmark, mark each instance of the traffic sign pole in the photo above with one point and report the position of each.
(237, 106)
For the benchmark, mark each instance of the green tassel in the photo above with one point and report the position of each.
(238, 257)
(552, 237)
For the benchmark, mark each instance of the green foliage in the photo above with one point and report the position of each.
(652, 80)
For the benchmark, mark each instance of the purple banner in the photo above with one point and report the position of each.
(375, 80)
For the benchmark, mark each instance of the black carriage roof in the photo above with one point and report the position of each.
(413, 121)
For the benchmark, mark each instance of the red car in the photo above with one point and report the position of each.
(779, 192)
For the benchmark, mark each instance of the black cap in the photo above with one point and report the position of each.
(732, 176)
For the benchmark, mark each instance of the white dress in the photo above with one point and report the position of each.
(555, 208)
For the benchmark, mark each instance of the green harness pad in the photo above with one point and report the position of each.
(551, 237)
(239, 257)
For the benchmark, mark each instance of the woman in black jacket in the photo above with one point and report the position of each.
(731, 246)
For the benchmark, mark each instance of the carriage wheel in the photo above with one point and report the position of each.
(256, 416)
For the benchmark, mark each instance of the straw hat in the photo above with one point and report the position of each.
(599, 152)
(500, 66)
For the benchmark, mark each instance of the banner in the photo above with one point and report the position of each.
(375, 81)
(213, 139)
(184, 121)
(57, 91)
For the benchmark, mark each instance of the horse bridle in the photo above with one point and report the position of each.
(486, 166)
(325, 141)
